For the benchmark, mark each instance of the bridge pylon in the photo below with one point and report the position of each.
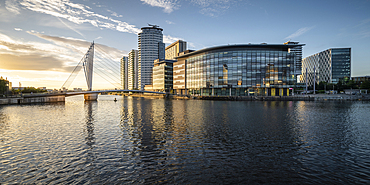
(88, 66)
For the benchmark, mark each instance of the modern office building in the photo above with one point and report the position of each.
(163, 75)
(133, 70)
(236, 70)
(360, 79)
(124, 72)
(151, 47)
(173, 50)
(298, 52)
(330, 66)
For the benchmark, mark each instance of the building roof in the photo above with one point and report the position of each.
(152, 27)
(246, 46)
(178, 41)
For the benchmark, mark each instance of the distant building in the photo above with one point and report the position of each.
(18, 88)
(124, 72)
(4, 85)
(331, 66)
(173, 50)
(298, 52)
(163, 75)
(42, 88)
(360, 79)
(133, 70)
(151, 47)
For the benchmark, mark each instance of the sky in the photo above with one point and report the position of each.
(41, 41)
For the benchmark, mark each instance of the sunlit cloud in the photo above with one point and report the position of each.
(80, 14)
(58, 58)
(62, 54)
(17, 29)
(73, 12)
(168, 5)
(299, 32)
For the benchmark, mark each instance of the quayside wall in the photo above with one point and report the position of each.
(28, 100)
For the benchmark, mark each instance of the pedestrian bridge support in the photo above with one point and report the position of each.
(91, 97)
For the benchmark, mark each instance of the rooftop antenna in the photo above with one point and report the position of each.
(153, 25)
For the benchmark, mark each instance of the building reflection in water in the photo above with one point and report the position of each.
(89, 120)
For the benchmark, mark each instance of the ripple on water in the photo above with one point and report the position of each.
(137, 140)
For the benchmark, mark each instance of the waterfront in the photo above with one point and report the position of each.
(143, 140)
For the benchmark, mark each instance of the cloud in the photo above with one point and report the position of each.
(169, 39)
(299, 32)
(213, 8)
(168, 5)
(73, 12)
(62, 54)
(70, 27)
(169, 22)
(12, 6)
(17, 29)
(80, 46)
(191, 45)
(114, 13)
(32, 62)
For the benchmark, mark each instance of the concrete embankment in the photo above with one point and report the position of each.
(288, 98)
(317, 97)
(28, 100)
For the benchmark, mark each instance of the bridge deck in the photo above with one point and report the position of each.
(89, 92)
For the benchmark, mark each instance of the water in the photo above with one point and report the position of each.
(148, 141)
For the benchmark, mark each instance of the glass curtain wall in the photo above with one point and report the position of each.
(242, 72)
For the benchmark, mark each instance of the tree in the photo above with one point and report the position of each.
(351, 84)
(3, 87)
(365, 85)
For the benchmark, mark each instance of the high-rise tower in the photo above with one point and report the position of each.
(151, 47)
(124, 72)
(298, 56)
(133, 71)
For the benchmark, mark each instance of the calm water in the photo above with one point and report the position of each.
(149, 141)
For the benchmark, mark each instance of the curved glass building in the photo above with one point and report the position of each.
(236, 70)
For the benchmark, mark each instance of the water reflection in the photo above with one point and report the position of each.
(147, 141)
(90, 136)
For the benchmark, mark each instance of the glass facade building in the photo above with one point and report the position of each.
(330, 66)
(240, 70)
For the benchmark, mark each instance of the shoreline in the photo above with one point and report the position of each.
(317, 97)
(311, 97)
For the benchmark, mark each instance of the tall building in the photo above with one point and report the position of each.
(236, 70)
(124, 72)
(298, 52)
(133, 70)
(330, 66)
(151, 47)
(173, 50)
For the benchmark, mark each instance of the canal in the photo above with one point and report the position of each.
(150, 141)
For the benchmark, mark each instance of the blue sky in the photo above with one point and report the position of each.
(41, 41)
